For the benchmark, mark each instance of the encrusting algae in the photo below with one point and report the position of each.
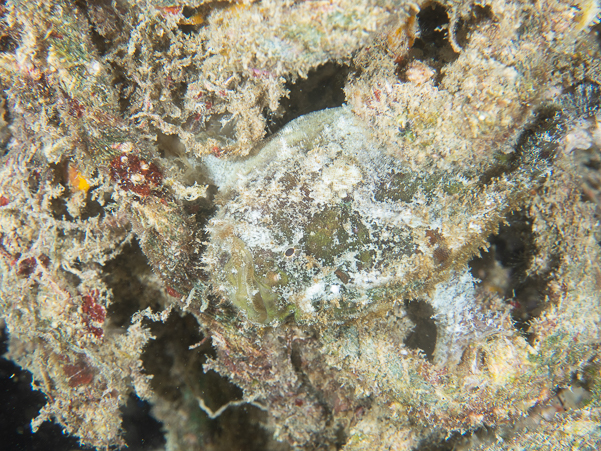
(407, 259)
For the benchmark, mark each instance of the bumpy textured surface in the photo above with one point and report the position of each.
(418, 268)
(324, 223)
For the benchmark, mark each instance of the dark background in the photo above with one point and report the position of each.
(20, 404)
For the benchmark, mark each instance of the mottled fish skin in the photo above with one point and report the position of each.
(322, 221)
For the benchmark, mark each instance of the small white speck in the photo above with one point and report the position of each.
(335, 289)
(474, 226)
(94, 67)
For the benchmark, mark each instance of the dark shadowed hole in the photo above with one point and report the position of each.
(433, 22)
(101, 44)
(504, 270)
(196, 17)
(178, 94)
(142, 431)
(124, 86)
(90, 208)
(437, 445)
(5, 121)
(58, 205)
(432, 46)
(8, 41)
(240, 428)
(175, 366)
(462, 441)
(170, 146)
(423, 336)
(20, 404)
(188, 29)
(8, 44)
(173, 151)
(323, 88)
(341, 438)
(439, 441)
(179, 380)
(128, 276)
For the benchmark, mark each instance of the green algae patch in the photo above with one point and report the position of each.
(251, 293)
(327, 234)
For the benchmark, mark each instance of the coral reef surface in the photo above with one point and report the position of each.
(334, 224)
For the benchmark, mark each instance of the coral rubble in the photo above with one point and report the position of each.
(418, 267)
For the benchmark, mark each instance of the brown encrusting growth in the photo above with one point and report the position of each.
(132, 174)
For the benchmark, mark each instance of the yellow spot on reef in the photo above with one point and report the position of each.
(77, 180)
